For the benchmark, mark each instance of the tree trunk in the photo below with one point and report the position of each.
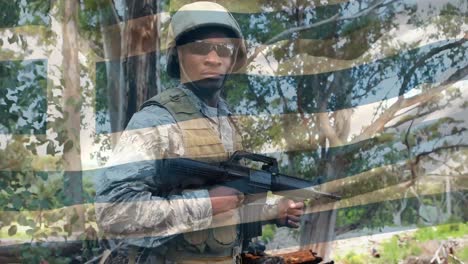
(448, 189)
(319, 228)
(318, 232)
(142, 37)
(72, 111)
(132, 66)
(158, 49)
(112, 36)
(397, 214)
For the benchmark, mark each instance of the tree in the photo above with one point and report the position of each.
(314, 139)
(72, 109)
(131, 46)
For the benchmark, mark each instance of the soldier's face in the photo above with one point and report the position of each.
(207, 60)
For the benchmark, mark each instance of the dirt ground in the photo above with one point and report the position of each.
(362, 244)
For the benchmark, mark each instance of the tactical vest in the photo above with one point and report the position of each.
(201, 142)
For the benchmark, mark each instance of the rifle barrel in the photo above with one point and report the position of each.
(298, 187)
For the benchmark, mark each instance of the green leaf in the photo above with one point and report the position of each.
(42, 234)
(67, 228)
(31, 223)
(33, 148)
(45, 204)
(51, 148)
(56, 229)
(17, 202)
(30, 232)
(13, 39)
(43, 175)
(74, 218)
(22, 220)
(68, 146)
(12, 230)
(9, 190)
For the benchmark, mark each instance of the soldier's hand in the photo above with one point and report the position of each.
(290, 212)
(225, 199)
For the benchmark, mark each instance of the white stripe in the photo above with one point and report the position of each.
(361, 117)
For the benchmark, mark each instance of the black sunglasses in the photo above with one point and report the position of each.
(200, 47)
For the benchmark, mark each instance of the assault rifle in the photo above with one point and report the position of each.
(182, 173)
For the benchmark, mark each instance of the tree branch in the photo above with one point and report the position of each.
(328, 130)
(401, 122)
(306, 121)
(379, 124)
(292, 30)
(426, 153)
(422, 60)
(412, 165)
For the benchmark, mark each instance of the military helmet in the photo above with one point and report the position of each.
(199, 15)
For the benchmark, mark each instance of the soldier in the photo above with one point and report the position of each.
(190, 120)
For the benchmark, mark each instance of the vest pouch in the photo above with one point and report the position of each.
(201, 141)
(225, 236)
(222, 238)
(197, 239)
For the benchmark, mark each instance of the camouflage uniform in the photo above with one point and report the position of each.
(127, 206)
(131, 204)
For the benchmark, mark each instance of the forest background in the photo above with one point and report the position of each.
(367, 99)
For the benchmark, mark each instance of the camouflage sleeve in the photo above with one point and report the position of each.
(126, 204)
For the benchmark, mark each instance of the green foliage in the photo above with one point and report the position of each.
(268, 232)
(8, 19)
(392, 252)
(40, 254)
(350, 215)
(375, 215)
(23, 102)
(414, 250)
(442, 232)
(353, 258)
(399, 248)
(463, 254)
(24, 188)
(33, 202)
(35, 12)
(12, 230)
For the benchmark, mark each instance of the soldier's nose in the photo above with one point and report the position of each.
(212, 57)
